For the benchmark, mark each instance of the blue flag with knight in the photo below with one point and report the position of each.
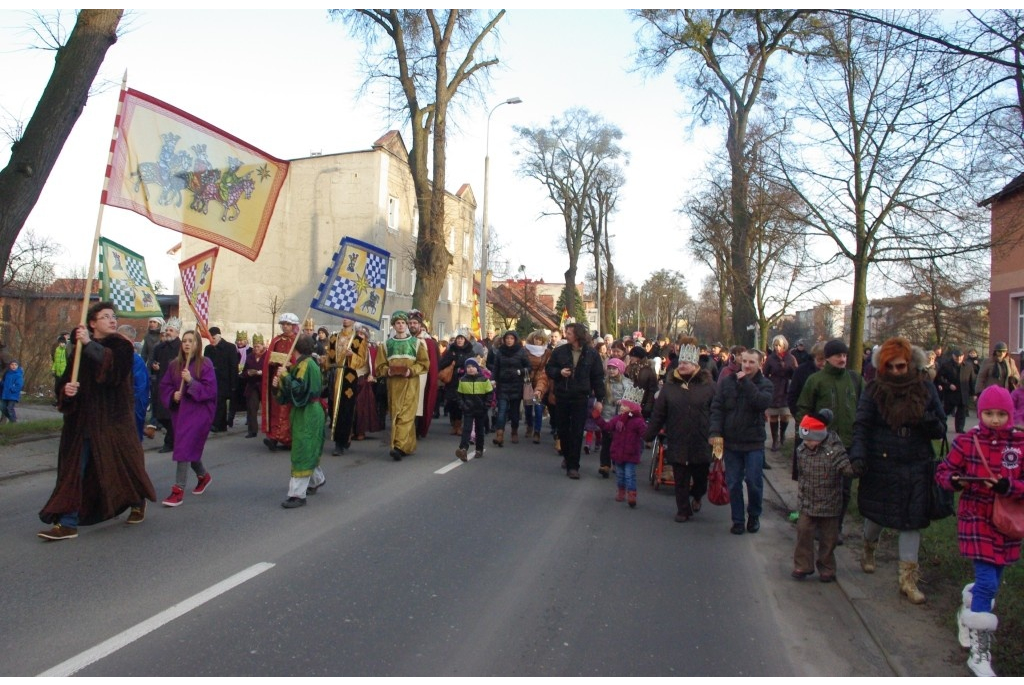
(355, 284)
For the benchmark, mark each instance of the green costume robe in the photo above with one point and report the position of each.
(403, 392)
(300, 388)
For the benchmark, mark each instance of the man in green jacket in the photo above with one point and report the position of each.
(837, 389)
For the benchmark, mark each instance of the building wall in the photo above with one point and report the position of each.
(367, 195)
(1007, 287)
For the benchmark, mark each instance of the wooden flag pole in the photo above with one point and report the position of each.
(188, 357)
(84, 321)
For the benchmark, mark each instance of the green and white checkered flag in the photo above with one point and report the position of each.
(125, 281)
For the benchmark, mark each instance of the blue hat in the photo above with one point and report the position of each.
(471, 362)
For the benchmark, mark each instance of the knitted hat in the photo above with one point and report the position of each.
(479, 350)
(158, 319)
(995, 397)
(471, 362)
(837, 346)
(616, 363)
(814, 426)
(638, 352)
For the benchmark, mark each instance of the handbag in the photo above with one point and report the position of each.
(444, 376)
(528, 393)
(718, 493)
(1007, 512)
(940, 502)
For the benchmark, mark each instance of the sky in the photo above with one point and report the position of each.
(288, 82)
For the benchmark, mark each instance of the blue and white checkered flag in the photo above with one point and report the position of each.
(355, 284)
(124, 280)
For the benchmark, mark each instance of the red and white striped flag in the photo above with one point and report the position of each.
(196, 283)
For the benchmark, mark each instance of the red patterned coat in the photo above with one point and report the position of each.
(1003, 451)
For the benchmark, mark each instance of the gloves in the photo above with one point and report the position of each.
(1002, 486)
(717, 447)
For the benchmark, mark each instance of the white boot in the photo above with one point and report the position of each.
(963, 633)
(981, 625)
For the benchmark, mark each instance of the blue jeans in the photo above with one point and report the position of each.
(986, 584)
(7, 408)
(508, 409)
(740, 468)
(534, 415)
(625, 474)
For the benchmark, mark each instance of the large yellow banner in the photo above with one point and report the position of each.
(184, 174)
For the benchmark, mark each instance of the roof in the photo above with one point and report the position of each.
(1011, 188)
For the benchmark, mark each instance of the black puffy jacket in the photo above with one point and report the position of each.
(895, 487)
(587, 374)
(511, 369)
(737, 412)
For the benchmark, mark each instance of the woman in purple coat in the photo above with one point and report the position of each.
(189, 391)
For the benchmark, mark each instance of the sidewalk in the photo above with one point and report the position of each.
(917, 640)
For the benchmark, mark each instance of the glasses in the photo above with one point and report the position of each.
(901, 366)
(106, 317)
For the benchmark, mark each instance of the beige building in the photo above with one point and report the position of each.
(368, 195)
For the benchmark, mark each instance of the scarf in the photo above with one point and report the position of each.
(902, 399)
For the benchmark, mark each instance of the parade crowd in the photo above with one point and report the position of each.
(695, 407)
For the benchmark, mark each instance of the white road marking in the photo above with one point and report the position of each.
(90, 656)
(454, 465)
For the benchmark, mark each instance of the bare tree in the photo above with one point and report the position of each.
(35, 152)
(726, 56)
(665, 301)
(885, 121)
(572, 158)
(600, 207)
(427, 56)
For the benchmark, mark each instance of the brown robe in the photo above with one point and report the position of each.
(103, 413)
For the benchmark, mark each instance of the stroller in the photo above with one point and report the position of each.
(661, 473)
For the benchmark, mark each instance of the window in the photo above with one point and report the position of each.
(450, 287)
(1020, 322)
(465, 244)
(385, 327)
(441, 331)
(412, 285)
(393, 213)
(391, 274)
(465, 290)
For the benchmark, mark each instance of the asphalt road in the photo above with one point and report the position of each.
(425, 567)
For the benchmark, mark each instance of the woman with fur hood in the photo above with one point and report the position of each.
(898, 416)
(537, 352)
(511, 370)
(683, 409)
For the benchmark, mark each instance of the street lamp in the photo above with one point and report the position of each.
(486, 230)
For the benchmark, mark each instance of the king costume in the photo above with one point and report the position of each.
(299, 390)
(275, 422)
(401, 360)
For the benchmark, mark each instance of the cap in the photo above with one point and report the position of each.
(835, 346)
(814, 426)
(288, 317)
(616, 363)
(995, 397)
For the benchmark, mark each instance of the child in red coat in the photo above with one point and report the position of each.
(984, 463)
(627, 430)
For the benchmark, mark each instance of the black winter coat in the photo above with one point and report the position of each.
(737, 412)
(511, 369)
(587, 374)
(459, 355)
(898, 466)
(685, 414)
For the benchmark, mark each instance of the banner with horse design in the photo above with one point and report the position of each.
(355, 284)
(189, 176)
(196, 284)
(124, 280)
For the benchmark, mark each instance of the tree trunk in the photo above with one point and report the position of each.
(34, 155)
(858, 311)
(743, 314)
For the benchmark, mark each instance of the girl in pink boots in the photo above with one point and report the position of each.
(627, 430)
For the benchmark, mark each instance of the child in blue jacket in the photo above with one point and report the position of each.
(14, 380)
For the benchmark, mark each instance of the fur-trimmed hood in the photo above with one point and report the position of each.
(919, 360)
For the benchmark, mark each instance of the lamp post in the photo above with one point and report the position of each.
(486, 230)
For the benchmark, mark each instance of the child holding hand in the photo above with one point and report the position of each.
(984, 463)
(627, 444)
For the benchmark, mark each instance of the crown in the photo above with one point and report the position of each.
(309, 324)
(240, 336)
(689, 353)
(634, 394)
